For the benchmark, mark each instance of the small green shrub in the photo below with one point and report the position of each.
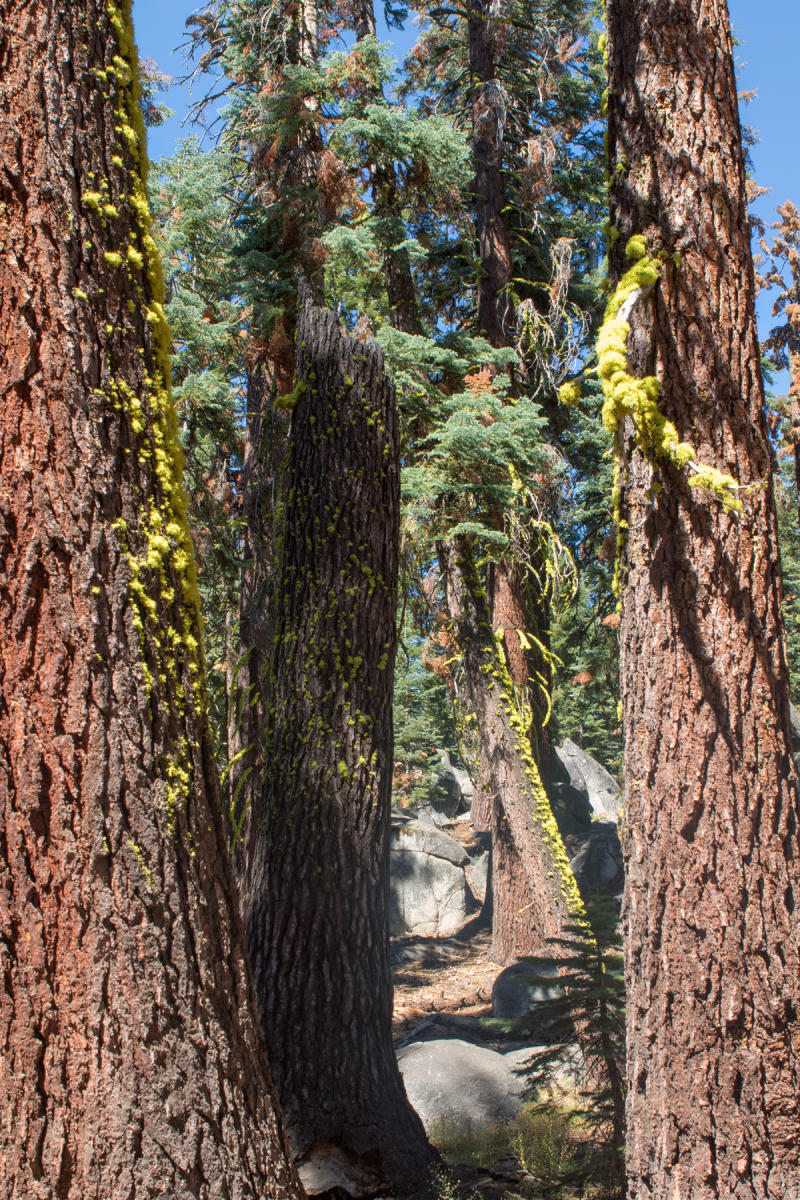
(473, 1148)
(546, 1145)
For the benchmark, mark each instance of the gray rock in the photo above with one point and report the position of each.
(794, 718)
(516, 997)
(428, 893)
(598, 865)
(456, 784)
(428, 815)
(569, 797)
(567, 1075)
(602, 788)
(327, 1167)
(478, 876)
(459, 1088)
(412, 835)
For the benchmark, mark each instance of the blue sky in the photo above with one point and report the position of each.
(768, 32)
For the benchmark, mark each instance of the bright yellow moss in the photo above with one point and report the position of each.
(159, 548)
(627, 396)
(569, 393)
(93, 200)
(543, 812)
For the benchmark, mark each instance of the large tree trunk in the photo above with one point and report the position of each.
(711, 809)
(130, 1062)
(317, 882)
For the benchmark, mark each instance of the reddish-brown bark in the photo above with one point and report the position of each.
(130, 1063)
(514, 931)
(537, 892)
(711, 811)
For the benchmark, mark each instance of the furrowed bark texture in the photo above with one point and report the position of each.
(514, 934)
(495, 319)
(262, 481)
(711, 808)
(317, 883)
(130, 1062)
(541, 891)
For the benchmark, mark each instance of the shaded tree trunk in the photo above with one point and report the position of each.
(130, 1062)
(711, 809)
(488, 127)
(317, 883)
(262, 484)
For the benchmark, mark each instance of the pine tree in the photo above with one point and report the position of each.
(591, 997)
(131, 1058)
(711, 790)
(782, 270)
(493, 63)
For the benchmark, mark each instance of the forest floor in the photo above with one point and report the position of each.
(443, 986)
(443, 989)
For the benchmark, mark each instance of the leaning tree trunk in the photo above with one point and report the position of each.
(711, 810)
(316, 880)
(542, 876)
(131, 1064)
(514, 933)
(515, 929)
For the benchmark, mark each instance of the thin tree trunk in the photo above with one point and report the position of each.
(262, 482)
(514, 934)
(130, 1063)
(541, 884)
(794, 408)
(317, 882)
(488, 127)
(711, 807)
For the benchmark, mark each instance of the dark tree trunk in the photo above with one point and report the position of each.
(130, 1062)
(540, 884)
(262, 484)
(711, 807)
(400, 290)
(317, 883)
(365, 19)
(495, 320)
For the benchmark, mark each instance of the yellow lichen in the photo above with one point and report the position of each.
(627, 396)
(289, 402)
(569, 393)
(158, 547)
(93, 200)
